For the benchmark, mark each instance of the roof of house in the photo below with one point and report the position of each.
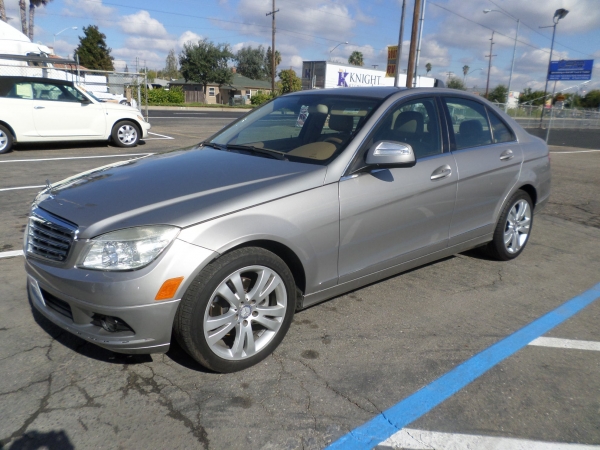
(239, 82)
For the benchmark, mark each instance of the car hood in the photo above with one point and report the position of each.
(179, 188)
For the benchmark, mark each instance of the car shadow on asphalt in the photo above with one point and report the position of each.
(55, 146)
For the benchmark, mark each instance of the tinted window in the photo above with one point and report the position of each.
(6, 85)
(310, 128)
(21, 90)
(56, 92)
(414, 122)
(500, 131)
(469, 122)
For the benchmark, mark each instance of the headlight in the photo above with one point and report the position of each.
(131, 248)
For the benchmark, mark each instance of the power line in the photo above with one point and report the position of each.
(537, 32)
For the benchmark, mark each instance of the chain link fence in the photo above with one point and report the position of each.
(112, 87)
(529, 116)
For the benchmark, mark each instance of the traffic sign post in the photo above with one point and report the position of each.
(574, 70)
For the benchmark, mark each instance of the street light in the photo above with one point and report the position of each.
(512, 66)
(56, 34)
(341, 43)
(467, 74)
(558, 14)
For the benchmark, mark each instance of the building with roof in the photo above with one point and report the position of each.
(240, 90)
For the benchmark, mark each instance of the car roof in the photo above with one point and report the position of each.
(372, 92)
(35, 79)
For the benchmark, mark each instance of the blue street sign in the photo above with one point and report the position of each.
(576, 70)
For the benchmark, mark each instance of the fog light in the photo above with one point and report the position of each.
(110, 323)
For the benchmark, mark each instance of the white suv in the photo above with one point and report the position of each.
(43, 110)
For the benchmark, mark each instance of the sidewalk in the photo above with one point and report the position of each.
(197, 108)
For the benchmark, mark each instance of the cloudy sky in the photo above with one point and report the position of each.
(456, 32)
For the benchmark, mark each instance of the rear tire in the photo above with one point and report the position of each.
(6, 140)
(513, 228)
(237, 310)
(125, 134)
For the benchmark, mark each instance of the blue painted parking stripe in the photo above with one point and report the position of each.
(424, 400)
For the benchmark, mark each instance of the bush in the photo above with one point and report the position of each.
(259, 98)
(163, 96)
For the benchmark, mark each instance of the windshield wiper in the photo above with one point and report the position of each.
(210, 144)
(262, 151)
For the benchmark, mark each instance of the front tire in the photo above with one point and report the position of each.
(6, 140)
(513, 228)
(237, 310)
(125, 134)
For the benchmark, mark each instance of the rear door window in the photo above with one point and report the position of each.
(469, 122)
(500, 130)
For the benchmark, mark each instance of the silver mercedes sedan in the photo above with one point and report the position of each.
(312, 195)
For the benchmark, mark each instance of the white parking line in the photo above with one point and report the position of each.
(188, 113)
(420, 439)
(162, 137)
(576, 151)
(566, 343)
(77, 157)
(22, 187)
(196, 118)
(11, 254)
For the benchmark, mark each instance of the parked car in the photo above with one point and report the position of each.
(44, 110)
(223, 242)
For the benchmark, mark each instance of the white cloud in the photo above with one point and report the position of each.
(142, 24)
(188, 36)
(96, 9)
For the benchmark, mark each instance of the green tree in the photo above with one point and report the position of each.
(32, 5)
(428, 68)
(268, 63)
(456, 83)
(532, 97)
(356, 59)
(170, 72)
(498, 94)
(93, 51)
(289, 81)
(2, 11)
(591, 99)
(206, 62)
(251, 63)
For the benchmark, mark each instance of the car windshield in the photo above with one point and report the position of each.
(93, 96)
(306, 128)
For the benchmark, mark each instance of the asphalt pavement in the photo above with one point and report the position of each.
(343, 363)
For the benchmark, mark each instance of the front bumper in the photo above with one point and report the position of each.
(74, 299)
(145, 127)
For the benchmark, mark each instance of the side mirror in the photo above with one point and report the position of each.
(391, 154)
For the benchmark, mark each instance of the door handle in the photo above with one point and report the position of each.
(506, 155)
(38, 107)
(441, 172)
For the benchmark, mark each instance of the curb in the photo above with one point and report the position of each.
(196, 108)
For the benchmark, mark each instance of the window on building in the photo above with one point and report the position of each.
(211, 91)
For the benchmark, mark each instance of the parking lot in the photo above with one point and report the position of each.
(344, 362)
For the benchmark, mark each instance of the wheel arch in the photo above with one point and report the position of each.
(288, 256)
(127, 119)
(531, 191)
(12, 131)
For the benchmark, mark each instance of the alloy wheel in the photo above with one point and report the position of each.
(518, 222)
(245, 312)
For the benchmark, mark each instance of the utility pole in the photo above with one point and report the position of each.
(421, 21)
(413, 44)
(399, 53)
(272, 13)
(487, 86)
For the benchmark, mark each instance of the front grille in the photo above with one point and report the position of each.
(58, 305)
(49, 237)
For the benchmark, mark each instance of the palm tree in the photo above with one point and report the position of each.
(428, 68)
(356, 59)
(22, 9)
(465, 72)
(2, 11)
(32, 5)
